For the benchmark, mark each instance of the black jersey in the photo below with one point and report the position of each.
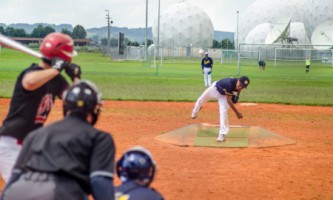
(131, 190)
(29, 109)
(226, 86)
(70, 148)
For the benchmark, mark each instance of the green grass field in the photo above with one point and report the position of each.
(182, 81)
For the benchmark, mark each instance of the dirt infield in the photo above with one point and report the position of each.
(300, 171)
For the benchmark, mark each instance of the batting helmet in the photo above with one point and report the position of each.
(136, 164)
(83, 98)
(58, 45)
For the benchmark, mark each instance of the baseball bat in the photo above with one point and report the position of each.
(10, 43)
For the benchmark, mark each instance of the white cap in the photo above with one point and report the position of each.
(206, 53)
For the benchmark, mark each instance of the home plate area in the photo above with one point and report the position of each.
(205, 135)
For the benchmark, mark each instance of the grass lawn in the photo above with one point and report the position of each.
(286, 83)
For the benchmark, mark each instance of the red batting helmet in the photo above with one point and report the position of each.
(58, 45)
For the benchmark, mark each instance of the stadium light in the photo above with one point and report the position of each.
(146, 46)
(237, 27)
(108, 22)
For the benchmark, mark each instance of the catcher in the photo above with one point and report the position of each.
(223, 90)
(136, 170)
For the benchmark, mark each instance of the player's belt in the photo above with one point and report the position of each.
(8, 139)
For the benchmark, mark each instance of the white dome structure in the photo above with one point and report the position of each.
(323, 35)
(266, 11)
(258, 34)
(184, 24)
(297, 30)
(318, 19)
(317, 12)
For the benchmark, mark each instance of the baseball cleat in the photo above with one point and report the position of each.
(194, 115)
(220, 138)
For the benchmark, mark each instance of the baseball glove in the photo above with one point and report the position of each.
(73, 71)
(234, 98)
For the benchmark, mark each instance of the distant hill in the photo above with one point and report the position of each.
(133, 34)
(30, 27)
(221, 35)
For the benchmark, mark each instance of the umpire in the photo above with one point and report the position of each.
(69, 159)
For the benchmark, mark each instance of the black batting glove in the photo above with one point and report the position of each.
(73, 71)
(59, 64)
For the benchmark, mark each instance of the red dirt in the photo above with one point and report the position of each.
(300, 171)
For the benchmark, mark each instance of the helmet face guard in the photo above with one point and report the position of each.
(58, 45)
(83, 98)
(138, 165)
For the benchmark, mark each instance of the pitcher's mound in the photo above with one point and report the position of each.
(238, 136)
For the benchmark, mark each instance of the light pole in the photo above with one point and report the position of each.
(108, 41)
(146, 46)
(237, 28)
(158, 26)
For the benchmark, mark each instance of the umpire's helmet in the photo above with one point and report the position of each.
(58, 45)
(83, 98)
(137, 164)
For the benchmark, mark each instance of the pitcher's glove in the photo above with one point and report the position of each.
(234, 98)
(73, 71)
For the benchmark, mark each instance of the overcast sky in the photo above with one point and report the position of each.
(124, 13)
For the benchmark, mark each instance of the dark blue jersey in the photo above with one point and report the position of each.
(131, 190)
(226, 86)
(261, 63)
(207, 62)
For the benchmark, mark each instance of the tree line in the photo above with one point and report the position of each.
(80, 33)
(41, 31)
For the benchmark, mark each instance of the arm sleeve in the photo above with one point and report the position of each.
(102, 157)
(102, 188)
(202, 63)
(62, 86)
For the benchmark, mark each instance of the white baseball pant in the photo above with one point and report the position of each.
(207, 76)
(9, 151)
(210, 94)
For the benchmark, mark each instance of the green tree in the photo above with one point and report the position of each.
(79, 32)
(20, 33)
(40, 31)
(149, 42)
(13, 32)
(94, 39)
(2, 30)
(67, 32)
(216, 44)
(128, 42)
(228, 44)
(104, 41)
(10, 31)
(113, 42)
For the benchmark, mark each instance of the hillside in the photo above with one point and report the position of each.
(134, 34)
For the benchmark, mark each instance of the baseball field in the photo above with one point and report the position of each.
(142, 102)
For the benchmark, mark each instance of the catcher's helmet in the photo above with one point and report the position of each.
(136, 164)
(83, 98)
(58, 45)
